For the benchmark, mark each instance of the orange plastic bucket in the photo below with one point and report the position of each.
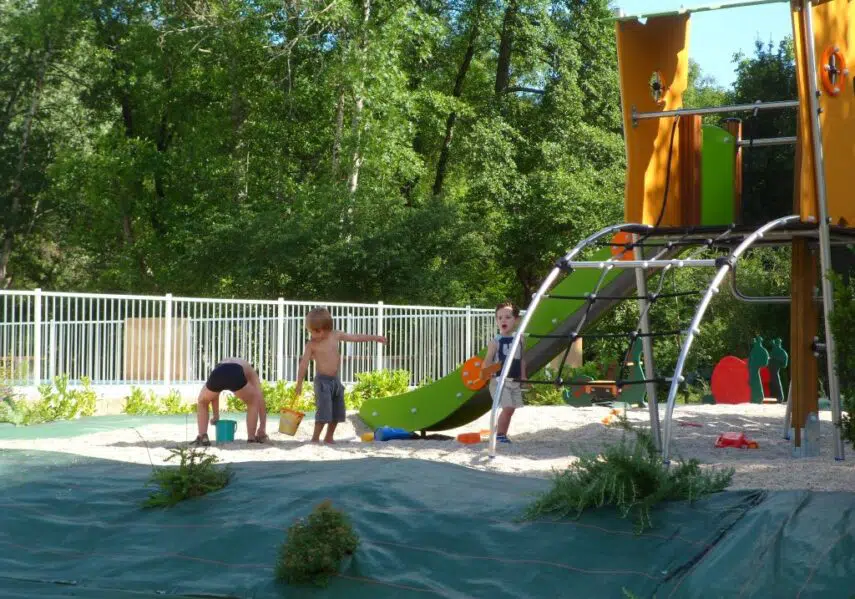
(289, 421)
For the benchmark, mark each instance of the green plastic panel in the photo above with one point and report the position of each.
(718, 160)
(426, 406)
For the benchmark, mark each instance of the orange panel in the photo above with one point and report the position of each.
(660, 45)
(832, 24)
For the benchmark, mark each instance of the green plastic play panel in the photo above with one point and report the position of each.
(426, 406)
(718, 160)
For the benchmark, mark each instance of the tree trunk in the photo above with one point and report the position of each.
(503, 68)
(359, 103)
(15, 190)
(442, 163)
(339, 129)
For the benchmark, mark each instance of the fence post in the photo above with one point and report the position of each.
(468, 349)
(380, 332)
(280, 339)
(167, 340)
(37, 338)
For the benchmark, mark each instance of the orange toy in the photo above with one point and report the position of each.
(735, 440)
(469, 438)
(474, 376)
(621, 253)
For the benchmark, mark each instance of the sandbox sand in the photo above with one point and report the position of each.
(545, 439)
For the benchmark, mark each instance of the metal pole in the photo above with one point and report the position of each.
(824, 242)
(789, 411)
(280, 338)
(620, 16)
(780, 104)
(468, 330)
(37, 338)
(647, 346)
(767, 141)
(380, 332)
(644, 264)
(167, 341)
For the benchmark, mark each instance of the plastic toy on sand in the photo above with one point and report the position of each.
(735, 440)
(475, 375)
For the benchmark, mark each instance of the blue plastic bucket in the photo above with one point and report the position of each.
(226, 431)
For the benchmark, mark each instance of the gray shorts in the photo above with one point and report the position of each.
(329, 399)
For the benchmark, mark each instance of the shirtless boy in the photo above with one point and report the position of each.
(323, 349)
(239, 377)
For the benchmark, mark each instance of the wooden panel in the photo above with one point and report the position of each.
(691, 138)
(659, 45)
(734, 127)
(832, 23)
(803, 327)
(144, 346)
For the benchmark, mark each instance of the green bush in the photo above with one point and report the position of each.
(315, 547)
(630, 477)
(141, 403)
(843, 326)
(277, 396)
(56, 402)
(196, 475)
(377, 383)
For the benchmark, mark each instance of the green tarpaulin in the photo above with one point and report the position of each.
(72, 527)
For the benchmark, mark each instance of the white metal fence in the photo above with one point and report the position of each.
(164, 340)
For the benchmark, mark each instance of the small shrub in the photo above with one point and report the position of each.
(173, 404)
(56, 402)
(630, 477)
(196, 475)
(315, 546)
(141, 403)
(377, 383)
(277, 396)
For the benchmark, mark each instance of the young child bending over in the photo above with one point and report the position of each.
(498, 350)
(323, 350)
(239, 377)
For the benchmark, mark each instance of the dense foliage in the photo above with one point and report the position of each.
(413, 151)
(410, 150)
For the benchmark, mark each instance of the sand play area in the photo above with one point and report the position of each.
(545, 438)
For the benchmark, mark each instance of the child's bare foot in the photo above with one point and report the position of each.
(329, 441)
(315, 440)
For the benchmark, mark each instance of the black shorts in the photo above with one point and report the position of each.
(226, 376)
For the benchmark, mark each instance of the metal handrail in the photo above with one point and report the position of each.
(778, 104)
(694, 327)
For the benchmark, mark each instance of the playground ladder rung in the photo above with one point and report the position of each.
(708, 263)
(626, 382)
(657, 244)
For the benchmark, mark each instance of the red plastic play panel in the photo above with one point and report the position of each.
(729, 381)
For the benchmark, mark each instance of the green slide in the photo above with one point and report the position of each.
(447, 403)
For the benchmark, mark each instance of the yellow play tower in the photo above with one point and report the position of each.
(668, 211)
